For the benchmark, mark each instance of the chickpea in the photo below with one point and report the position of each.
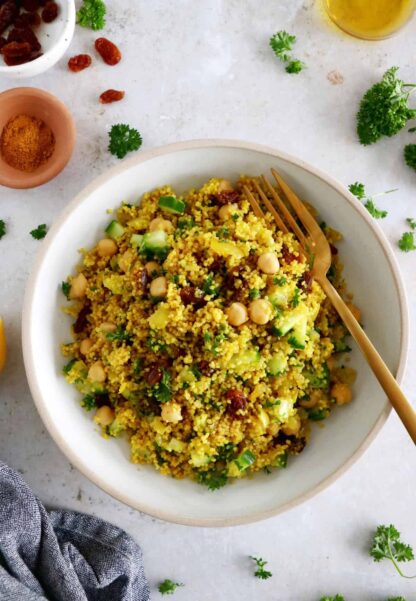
(106, 247)
(126, 260)
(268, 263)
(237, 314)
(260, 311)
(226, 211)
(152, 267)
(96, 372)
(330, 363)
(273, 429)
(171, 413)
(312, 401)
(161, 224)
(292, 427)
(78, 286)
(159, 287)
(104, 416)
(355, 311)
(85, 346)
(107, 327)
(225, 186)
(341, 393)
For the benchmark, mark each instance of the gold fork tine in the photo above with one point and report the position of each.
(287, 215)
(254, 204)
(300, 209)
(280, 223)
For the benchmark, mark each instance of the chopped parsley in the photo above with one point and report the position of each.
(296, 297)
(213, 479)
(279, 281)
(254, 293)
(235, 216)
(155, 345)
(407, 242)
(335, 598)
(260, 571)
(2, 228)
(317, 414)
(374, 211)
(195, 371)
(120, 335)
(410, 155)
(88, 402)
(223, 232)
(209, 286)
(40, 232)
(411, 222)
(383, 109)
(123, 139)
(168, 587)
(186, 223)
(162, 391)
(358, 189)
(282, 44)
(67, 368)
(66, 289)
(92, 14)
(212, 343)
(387, 544)
(137, 367)
(226, 452)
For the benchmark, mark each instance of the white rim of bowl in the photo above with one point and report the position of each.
(60, 47)
(35, 385)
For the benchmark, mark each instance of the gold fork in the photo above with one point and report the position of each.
(315, 244)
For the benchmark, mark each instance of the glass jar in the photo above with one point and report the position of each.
(370, 19)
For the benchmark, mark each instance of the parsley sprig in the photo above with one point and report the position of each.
(2, 228)
(282, 44)
(120, 335)
(162, 391)
(358, 189)
(387, 544)
(168, 587)
(92, 14)
(123, 139)
(335, 598)
(410, 155)
(40, 232)
(383, 109)
(260, 571)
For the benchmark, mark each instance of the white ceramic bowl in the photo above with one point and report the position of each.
(55, 38)
(371, 273)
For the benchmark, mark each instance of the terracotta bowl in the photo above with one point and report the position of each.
(48, 108)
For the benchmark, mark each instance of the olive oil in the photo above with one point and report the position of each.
(370, 19)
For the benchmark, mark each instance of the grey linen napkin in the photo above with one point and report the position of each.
(62, 555)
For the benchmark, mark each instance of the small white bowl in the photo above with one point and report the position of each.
(371, 273)
(55, 38)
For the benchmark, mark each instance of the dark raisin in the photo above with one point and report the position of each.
(27, 20)
(16, 50)
(108, 51)
(205, 368)
(79, 62)
(111, 96)
(50, 12)
(334, 250)
(102, 399)
(8, 12)
(227, 197)
(30, 5)
(305, 281)
(289, 257)
(232, 276)
(24, 35)
(238, 401)
(217, 265)
(82, 319)
(143, 278)
(154, 376)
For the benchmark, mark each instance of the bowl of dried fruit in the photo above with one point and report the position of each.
(34, 34)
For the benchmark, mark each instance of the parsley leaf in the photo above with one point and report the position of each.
(213, 479)
(374, 211)
(163, 391)
(39, 232)
(88, 402)
(123, 139)
(279, 281)
(254, 293)
(358, 189)
(388, 545)
(282, 43)
(411, 222)
(209, 287)
(410, 155)
(167, 587)
(67, 368)
(92, 14)
(2, 228)
(407, 242)
(383, 109)
(336, 598)
(261, 572)
(296, 297)
(119, 335)
(66, 289)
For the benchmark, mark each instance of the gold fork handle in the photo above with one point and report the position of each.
(400, 403)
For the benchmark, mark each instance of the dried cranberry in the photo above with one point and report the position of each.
(238, 401)
(192, 296)
(50, 12)
(27, 20)
(227, 197)
(24, 35)
(154, 376)
(305, 281)
(205, 368)
(217, 265)
(30, 5)
(111, 96)
(16, 50)
(289, 257)
(82, 319)
(79, 62)
(8, 12)
(108, 51)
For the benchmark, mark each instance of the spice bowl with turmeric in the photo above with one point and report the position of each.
(37, 137)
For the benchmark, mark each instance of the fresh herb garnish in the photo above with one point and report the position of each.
(40, 232)
(213, 479)
(411, 222)
(67, 368)
(296, 297)
(260, 571)
(358, 189)
(279, 281)
(254, 293)
(209, 286)
(223, 232)
(162, 391)
(282, 44)
(66, 289)
(407, 242)
(88, 402)
(212, 343)
(123, 139)
(168, 587)
(317, 415)
(336, 598)
(387, 544)
(120, 335)
(225, 452)
(410, 155)
(2, 228)
(383, 109)
(92, 14)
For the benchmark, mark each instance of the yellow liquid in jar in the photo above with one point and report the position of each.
(370, 19)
